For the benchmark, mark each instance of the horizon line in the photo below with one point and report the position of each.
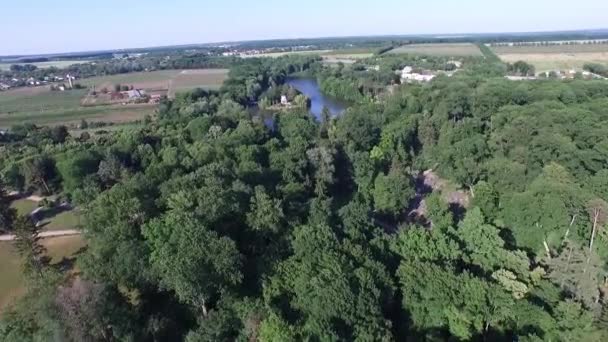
(406, 35)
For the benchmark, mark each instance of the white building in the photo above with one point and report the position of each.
(284, 101)
(407, 75)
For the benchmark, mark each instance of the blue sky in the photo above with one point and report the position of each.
(43, 26)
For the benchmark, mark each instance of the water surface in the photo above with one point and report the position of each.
(310, 88)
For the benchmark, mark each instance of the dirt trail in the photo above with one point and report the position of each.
(48, 234)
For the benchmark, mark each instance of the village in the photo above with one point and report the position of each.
(57, 82)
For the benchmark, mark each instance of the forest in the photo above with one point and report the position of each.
(470, 208)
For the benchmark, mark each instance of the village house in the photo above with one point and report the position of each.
(4, 86)
(134, 94)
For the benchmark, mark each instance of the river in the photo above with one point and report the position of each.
(310, 88)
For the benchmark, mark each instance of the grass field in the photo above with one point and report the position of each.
(11, 279)
(443, 49)
(43, 65)
(63, 220)
(554, 57)
(24, 206)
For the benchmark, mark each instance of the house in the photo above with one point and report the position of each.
(4, 86)
(135, 93)
(284, 100)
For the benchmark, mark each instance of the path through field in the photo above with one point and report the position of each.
(49, 234)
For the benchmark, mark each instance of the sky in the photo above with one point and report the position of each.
(43, 26)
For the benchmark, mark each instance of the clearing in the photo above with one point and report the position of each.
(52, 219)
(12, 283)
(554, 57)
(440, 49)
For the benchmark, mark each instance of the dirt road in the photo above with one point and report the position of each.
(54, 233)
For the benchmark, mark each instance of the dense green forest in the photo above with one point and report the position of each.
(470, 208)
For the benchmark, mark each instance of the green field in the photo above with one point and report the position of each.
(74, 115)
(11, 279)
(39, 101)
(440, 49)
(66, 220)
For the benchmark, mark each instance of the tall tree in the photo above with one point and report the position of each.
(7, 213)
(192, 260)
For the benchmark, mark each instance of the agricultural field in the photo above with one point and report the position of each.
(554, 57)
(346, 56)
(200, 78)
(12, 283)
(42, 106)
(441, 49)
(44, 65)
(162, 82)
(284, 53)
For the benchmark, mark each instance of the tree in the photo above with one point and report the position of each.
(392, 192)
(27, 243)
(7, 213)
(266, 213)
(339, 296)
(116, 249)
(59, 134)
(192, 260)
(74, 168)
(41, 174)
(576, 272)
(92, 312)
